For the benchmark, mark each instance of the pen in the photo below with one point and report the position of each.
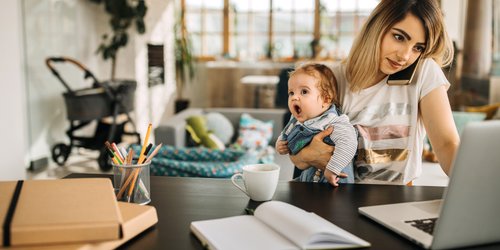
(120, 193)
(141, 159)
(144, 190)
(117, 152)
(141, 155)
(113, 156)
(124, 153)
(110, 148)
(147, 150)
(128, 161)
(150, 157)
(130, 155)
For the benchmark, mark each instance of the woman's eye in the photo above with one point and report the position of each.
(399, 37)
(419, 49)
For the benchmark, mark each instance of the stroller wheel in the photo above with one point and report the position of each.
(60, 153)
(103, 161)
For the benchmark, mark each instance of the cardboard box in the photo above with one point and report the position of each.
(136, 219)
(60, 211)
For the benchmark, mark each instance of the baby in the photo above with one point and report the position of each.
(314, 104)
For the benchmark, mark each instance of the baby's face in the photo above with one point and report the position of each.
(304, 98)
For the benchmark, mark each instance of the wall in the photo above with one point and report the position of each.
(60, 28)
(73, 28)
(219, 83)
(454, 17)
(152, 102)
(12, 97)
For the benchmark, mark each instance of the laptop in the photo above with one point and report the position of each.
(468, 214)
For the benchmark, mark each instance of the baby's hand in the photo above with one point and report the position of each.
(332, 178)
(281, 147)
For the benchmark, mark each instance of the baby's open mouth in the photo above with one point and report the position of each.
(297, 109)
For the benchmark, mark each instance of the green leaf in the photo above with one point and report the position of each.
(122, 14)
(141, 9)
(141, 27)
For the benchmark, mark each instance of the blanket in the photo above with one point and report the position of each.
(205, 162)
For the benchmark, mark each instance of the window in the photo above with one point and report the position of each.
(340, 22)
(293, 27)
(204, 20)
(248, 28)
(281, 29)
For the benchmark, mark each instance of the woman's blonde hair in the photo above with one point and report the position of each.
(363, 61)
(326, 81)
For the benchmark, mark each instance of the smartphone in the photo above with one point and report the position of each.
(404, 76)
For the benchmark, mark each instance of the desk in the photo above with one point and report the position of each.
(262, 81)
(180, 200)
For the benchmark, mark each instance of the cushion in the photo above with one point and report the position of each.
(214, 142)
(254, 133)
(218, 124)
(198, 132)
(462, 118)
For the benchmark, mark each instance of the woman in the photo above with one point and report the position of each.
(392, 120)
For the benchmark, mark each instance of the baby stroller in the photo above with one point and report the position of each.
(103, 99)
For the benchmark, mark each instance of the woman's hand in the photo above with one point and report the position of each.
(316, 154)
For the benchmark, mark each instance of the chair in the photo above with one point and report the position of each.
(490, 110)
(281, 100)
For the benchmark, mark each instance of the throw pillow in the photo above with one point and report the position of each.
(214, 142)
(198, 132)
(254, 133)
(220, 126)
(196, 127)
(192, 139)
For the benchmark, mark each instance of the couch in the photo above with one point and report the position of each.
(172, 129)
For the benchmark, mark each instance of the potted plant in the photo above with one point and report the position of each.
(123, 14)
(184, 68)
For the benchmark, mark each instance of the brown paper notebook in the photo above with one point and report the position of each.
(136, 219)
(58, 211)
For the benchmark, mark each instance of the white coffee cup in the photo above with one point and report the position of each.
(260, 181)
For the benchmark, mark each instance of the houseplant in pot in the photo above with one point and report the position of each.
(123, 14)
(184, 68)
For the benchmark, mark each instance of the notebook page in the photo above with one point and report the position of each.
(239, 232)
(303, 228)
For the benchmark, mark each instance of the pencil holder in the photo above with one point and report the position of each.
(131, 183)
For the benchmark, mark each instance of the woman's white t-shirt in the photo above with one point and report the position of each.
(391, 132)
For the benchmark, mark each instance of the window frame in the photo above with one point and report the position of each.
(316, 34)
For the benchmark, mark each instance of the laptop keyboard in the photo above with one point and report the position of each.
(426, 225)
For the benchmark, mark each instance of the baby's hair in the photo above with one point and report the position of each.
(327, 84)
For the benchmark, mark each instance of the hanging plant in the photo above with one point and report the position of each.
(184, 64)
(124, 13)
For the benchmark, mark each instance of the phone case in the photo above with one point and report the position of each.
(405, 76)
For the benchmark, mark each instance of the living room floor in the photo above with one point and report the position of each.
(83, 161)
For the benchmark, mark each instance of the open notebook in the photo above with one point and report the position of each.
(274, 225)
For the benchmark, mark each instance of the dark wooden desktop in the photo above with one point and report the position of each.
(180, 200)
